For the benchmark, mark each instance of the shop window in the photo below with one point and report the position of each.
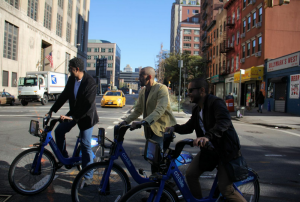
(270, 89)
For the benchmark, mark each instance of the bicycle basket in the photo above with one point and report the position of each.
(152, 152)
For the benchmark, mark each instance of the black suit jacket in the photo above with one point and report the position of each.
(217, 124)
(83, 108)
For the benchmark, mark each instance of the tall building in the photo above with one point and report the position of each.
(40, 35)
(127, 68)
(185, 27)
(105, 49)
(131, 79)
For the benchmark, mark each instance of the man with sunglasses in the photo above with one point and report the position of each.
(212, 122)
(81, 93)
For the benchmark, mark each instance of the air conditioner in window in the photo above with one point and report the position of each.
(243, 35)
(258, 24)
(258, 54)
(242, 60)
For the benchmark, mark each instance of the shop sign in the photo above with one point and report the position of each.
(253, 73)
(283, 62)
(216, 79)
(294, 86)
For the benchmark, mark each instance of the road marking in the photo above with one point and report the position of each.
(274, 155)
(288, 132)
(110, 127)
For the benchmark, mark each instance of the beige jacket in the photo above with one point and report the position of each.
(158, 109)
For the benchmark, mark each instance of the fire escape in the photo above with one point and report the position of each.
(227, 45)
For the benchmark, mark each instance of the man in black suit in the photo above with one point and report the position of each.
(81, 93)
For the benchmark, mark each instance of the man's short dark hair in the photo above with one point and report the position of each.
(200, 82)
(77, 62)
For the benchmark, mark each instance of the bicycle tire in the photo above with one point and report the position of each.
(250, 191)
(119, 184)
(142, 191)
(37, 183)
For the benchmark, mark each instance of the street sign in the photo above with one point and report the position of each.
(180, 63)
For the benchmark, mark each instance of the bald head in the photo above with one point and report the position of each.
(149, 71)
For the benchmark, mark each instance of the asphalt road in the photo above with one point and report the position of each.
(273, 153)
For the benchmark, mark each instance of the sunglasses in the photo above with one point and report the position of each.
(190, 90)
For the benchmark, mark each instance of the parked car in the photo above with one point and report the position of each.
(113, 98)
(7, 98)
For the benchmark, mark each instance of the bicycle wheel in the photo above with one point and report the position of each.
(142, 192)
(23, 181)
(250, 191)
(118, 184)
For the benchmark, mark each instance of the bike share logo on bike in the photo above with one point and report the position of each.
(126, 159)
(180, 180)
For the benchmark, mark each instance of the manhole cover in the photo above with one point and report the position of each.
(254, 132)
(4, 198)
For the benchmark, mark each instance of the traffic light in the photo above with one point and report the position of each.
(269, 3)
(283, 2)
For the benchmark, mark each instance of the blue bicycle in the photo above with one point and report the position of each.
(33, 170)
(160, 191)
(110, 181)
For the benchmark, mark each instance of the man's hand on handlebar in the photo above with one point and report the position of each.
(49, 114)
(135, 125)
(200, 141)
(123, 123)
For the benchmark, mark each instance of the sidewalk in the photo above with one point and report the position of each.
(269, 119)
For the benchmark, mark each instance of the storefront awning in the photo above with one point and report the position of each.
(251, 74)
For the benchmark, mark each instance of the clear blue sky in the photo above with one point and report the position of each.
(137, 26)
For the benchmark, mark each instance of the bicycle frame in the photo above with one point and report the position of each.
(119, 151)
(185, 191)
(58, 154)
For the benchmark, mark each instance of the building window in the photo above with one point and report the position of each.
(238, 14)
(244, 26)
(237, 63)
(88, 64)
(186, 45)
(196, 46)
(193, 2)
(259, 43)
(94, 64)
(195, 12)
(233, 18)
(47, 16)
(217, 50)
(70, 4)
(59, 25)
(224, 25)
(217, 33)
(102, 50)
(187, 31)
(254, 19)
(95, 57)
(5, 78)
(187, 38)
(249, 22)
(214, 51)
(196, 32)
(260, 14)
(253, 46)
(89, 57)
(68, 35)
(10, 45)
(213, 70)
(183, 2)
(14, 3)
(243, 51)
(188, 19)
(61, 4)
(248, 49)
(109, 65)
(237, 37)
(216, 69)
(32, 9)
(195, 20)
(196, 39)
(110, 57)
(89, 50)
(188, 11)
(249, 1)
(96, 49)
(196, 52)
(102, 56)
(233, 39)
(220, 30)
(14, 79)
(244, 3)
(110, 50)
(232, 64)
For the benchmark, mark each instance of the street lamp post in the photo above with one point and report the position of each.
(242, 71)
(180, 64)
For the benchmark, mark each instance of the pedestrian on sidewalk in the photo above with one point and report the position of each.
(154, 104)
(260, 100)
(212, 122)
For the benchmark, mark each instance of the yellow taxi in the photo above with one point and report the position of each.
(113, 98)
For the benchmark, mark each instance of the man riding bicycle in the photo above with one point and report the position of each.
(212, 122)
(81, 93)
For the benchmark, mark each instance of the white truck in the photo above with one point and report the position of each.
(41, 86)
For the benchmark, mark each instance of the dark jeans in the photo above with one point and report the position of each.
(86, 149)
(260, 107)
